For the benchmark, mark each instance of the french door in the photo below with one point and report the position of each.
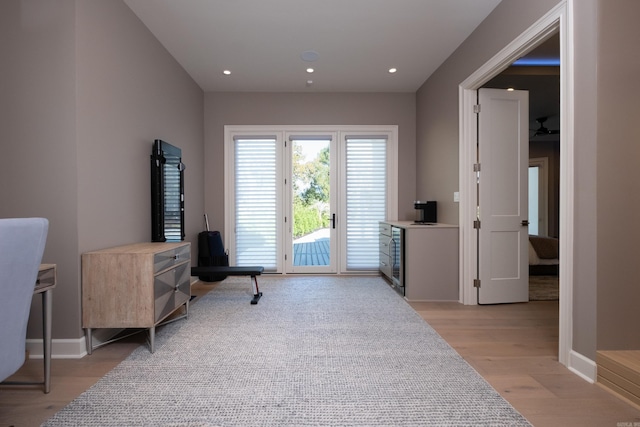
(305, 200)
(310, 237)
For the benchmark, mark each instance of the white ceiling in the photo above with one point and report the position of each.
(357, 41)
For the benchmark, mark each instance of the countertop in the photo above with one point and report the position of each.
(412, 224)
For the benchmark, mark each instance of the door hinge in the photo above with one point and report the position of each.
(476, 167)
(476, 224)
(477, 283)
(476, 108)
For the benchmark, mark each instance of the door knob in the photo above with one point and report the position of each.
(525, 223)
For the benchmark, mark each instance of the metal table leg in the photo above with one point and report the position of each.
(47, 305)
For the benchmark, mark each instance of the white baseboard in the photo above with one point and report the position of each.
(582, 366)
(75, 348)
(72, 348)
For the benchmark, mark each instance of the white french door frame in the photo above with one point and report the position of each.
(559, 19)
(290, 266)
(390, 132)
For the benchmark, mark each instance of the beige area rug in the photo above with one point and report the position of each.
(543, 288)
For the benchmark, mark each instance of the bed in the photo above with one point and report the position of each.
(543, 256)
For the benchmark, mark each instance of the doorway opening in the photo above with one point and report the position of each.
(538, 73)
(556, 21)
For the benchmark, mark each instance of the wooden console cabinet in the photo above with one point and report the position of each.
(135, 286)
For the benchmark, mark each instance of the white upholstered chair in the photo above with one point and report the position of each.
(22, 242)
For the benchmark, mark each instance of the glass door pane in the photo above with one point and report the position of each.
(256, 202)
(365, 200)
(312, 219)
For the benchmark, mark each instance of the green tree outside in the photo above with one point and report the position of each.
(310, 192)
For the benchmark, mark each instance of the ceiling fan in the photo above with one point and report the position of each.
(542, 130)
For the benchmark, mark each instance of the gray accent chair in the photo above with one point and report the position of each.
(22, 242)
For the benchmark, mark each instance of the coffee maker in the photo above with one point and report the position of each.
(427, 212)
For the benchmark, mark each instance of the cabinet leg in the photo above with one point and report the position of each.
(89, 338)
(152, 339)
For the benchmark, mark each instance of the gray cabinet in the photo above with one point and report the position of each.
(430, 260)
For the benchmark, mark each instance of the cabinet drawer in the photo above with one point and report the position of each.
(171, 289)
(385, 229)
(45, 278)
(384, 245)
(385, 265)
(167, 259)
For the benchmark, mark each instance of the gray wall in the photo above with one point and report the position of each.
(618, 177)
(307, 109)
(130, 91)
(38, 145)
(86, 89)
(585, 209)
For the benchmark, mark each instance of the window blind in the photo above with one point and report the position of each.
(366, 197)
(172, 199)
(255, 202)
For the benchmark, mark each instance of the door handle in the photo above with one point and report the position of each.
(333, 221)
(525, 223)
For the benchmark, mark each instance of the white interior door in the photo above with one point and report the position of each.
(503, 151)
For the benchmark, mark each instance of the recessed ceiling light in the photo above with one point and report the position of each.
(393, 70)
(226, 72)
(310, 70)
(510, 89)
(309, 83)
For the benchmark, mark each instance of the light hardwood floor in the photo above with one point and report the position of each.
(514, 347)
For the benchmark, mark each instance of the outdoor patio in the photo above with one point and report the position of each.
(312, 249)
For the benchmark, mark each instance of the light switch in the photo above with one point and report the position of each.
(456, 196)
